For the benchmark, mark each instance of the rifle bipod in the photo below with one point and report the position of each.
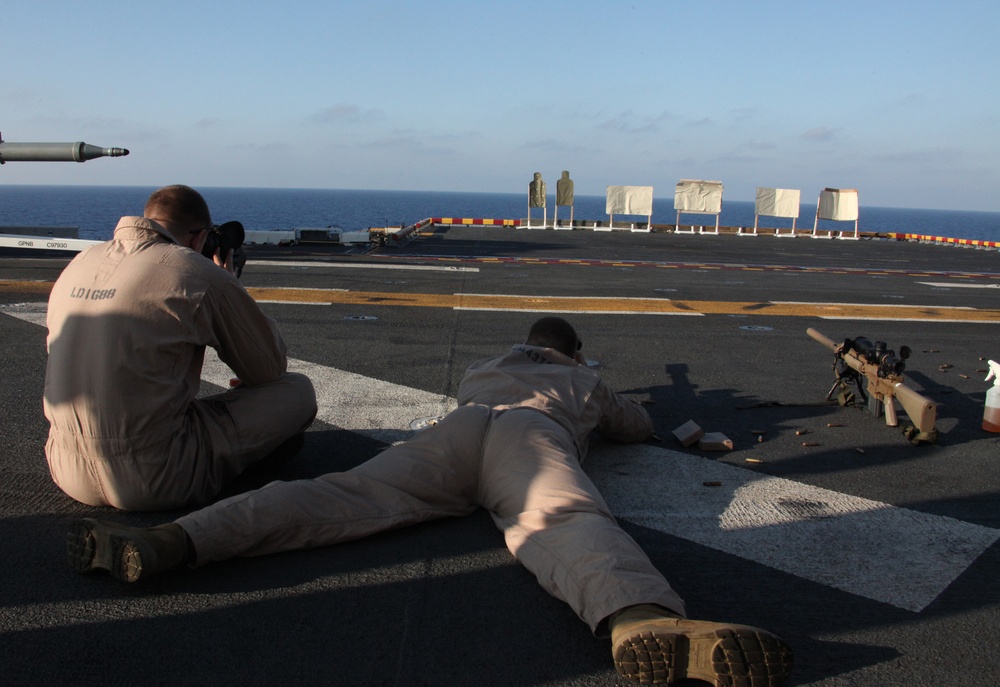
(846, 376)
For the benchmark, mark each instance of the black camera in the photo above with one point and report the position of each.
(223, 238)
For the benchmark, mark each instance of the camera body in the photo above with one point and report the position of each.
(224, 237)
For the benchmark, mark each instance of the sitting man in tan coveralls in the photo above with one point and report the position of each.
(128, 324)
(514, 447)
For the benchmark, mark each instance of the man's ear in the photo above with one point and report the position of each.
(196, 240)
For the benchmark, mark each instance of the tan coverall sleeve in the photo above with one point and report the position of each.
(621, 419)
(247, 340)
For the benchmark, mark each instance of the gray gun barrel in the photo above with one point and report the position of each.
(55, 152)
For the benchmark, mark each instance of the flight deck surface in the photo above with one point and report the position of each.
(874, 558)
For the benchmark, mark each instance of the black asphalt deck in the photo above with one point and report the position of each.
(444, 603)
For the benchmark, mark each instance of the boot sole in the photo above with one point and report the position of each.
(92, 547)
(736, 657)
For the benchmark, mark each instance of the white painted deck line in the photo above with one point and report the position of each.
(893, 555)
(872, 549)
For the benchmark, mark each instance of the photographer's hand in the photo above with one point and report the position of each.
(227, 264)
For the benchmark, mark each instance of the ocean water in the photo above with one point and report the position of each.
(95, 210)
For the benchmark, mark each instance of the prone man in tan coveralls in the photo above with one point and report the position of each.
(128, 324)
(514, 446)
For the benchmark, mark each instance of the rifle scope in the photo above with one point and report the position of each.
(879, 354)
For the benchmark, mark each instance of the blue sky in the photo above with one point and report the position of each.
(900, 100)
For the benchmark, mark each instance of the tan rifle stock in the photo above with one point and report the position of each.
(921, 410)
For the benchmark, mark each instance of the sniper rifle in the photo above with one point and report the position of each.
(883, 370)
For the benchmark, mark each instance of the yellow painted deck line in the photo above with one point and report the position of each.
(12, 286)
(585, 304)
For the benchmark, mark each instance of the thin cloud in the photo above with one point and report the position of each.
(759, 145)
(819, 133)
(409, 141)
(551, 145)
(928, 156)
(737, 158)
(345, 112)
(701, 123)
(628, 122)
(742, 114)
(912, 100)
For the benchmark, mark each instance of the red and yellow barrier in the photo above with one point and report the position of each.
(477, 221)
(944, 239)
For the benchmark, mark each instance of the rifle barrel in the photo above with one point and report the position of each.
(821, 338)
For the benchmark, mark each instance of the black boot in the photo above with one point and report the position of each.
(127, 553)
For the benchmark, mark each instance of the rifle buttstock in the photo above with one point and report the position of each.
(920, 409)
